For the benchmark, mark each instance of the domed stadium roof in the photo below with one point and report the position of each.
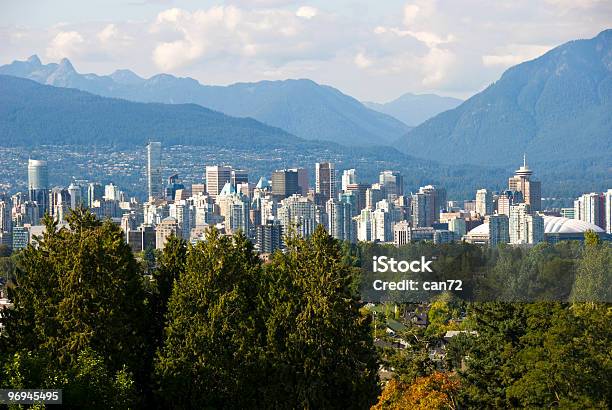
(552, 224)
(558, 224)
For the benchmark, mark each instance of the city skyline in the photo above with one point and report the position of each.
(376, 212)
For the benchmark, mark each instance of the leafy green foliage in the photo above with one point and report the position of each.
(79, 311)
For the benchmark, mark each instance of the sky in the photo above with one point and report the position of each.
(373, 50)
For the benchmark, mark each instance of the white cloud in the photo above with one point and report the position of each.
(514, 54)
(307, 12)
(418, 10)
(362, 61)
(436, 64)
(65, 44)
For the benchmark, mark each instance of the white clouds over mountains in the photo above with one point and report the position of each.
(447, 46)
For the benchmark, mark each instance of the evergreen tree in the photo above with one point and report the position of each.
(211, 353)
(79, 290)
(320, 346)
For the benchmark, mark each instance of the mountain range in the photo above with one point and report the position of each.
(556, 108)
(301, 107)
(413, 109)
(32, 114)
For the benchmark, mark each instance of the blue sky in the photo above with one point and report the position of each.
(373, 50)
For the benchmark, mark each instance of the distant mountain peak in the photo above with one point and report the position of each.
(126, 77)
(34, 60)
(555, 107)
(66, 65)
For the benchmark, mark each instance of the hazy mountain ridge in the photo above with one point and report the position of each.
(414, 109)
(555, 107)
(301, 107)
(35, 114)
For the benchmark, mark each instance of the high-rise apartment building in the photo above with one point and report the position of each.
(438, 195)
(340, 218)
(608, 197)
(392, 182)
(325, 180)
(531, 189)
(484, 202)
(525, 227)
(299, 214)
(423, 210)
(591, 208)
(154, 170)
(38, 184)
(216, 178)
(499, 230)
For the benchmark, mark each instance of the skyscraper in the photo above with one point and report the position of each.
(349, 177)
(531, 189)
(95, 192)
(525, 227)
(423, 210)
(38, 184)
(216, 178)
(591, 208)
(325, 180)
(392, 182)
(484, 202)
(154, 170)
(438, 195)
(285, 182)
(608, 196)
(498, 230)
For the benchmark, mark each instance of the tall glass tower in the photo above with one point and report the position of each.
(154, 170)
(38, 184)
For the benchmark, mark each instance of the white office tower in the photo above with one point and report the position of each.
(591, 208)
(364, 225)
(349, 176)
(75, 196)
(38, 184)
(609, 211)
(499, 230)
(154, 170)
(59, 204)
(525, 227)
(484, 202)
(297, 214)
(216, 178)
(382, 226)
(111, 192)
(340, 218)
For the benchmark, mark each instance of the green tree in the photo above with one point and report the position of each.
(80, 290)
(211, 355)
(593, 281)
(318, 343)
